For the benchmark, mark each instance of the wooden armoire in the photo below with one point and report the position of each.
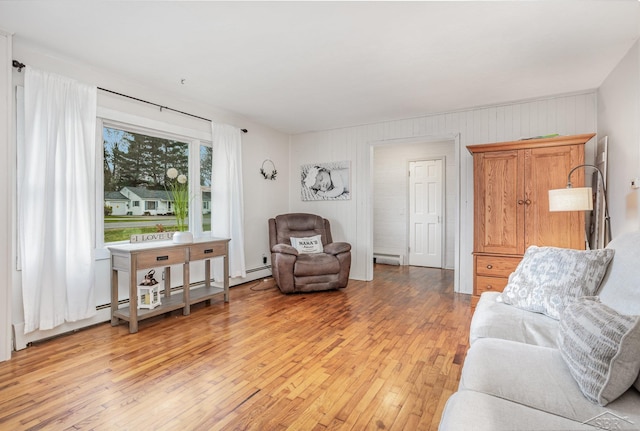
(511, 203)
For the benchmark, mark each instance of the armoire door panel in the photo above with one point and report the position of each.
(546, 169)
(496, 202)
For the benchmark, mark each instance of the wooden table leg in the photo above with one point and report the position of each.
(114, 297)
(167, 282)
(225, 279)
(185, 289)
(133, 299)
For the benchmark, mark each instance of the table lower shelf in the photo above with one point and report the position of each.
(204, 293)
(171, 303)
(174, 302)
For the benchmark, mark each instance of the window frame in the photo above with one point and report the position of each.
(131, 123)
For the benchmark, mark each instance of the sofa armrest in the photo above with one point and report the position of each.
(284, 248)
(337, 248)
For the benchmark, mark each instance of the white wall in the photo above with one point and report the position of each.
(262, 198)
(619, 118)
(566, 115)
(391, 195)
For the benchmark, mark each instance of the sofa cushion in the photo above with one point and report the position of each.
(601, 348)
(620, 288)
(493, 319)
(537, 377)
(549, 278)
(471, 410)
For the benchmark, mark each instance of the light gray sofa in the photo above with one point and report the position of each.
(515, 376)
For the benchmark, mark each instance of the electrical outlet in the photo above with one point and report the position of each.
(635, 183)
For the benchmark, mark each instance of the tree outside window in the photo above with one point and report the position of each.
(135, 167)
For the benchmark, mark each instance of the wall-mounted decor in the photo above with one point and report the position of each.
(269, 172)
(325, 181)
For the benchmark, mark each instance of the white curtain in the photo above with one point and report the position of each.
(227, 209)
(56, 200)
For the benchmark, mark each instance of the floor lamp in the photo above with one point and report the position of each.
(579, 198)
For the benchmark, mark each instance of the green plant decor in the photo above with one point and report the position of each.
(179, 189)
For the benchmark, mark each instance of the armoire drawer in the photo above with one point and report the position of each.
(496, 266)
(490, 284)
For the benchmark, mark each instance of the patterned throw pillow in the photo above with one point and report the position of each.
(308, 245)
(601, 348)
(549, 278)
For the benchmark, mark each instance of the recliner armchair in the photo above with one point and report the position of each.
(306, 272)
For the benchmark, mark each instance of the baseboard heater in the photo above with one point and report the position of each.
(388, 259)
(261, 268)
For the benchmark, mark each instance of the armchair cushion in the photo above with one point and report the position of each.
(284, 248)
(337, 248)
(316, 264)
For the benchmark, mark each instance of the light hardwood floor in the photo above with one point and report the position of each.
(380, 355)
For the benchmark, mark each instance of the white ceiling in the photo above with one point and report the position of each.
(303, 66)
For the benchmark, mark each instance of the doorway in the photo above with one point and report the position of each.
(426, 212)
(390, 196)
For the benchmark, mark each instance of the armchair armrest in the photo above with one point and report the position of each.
(284, 248)
(337, 248)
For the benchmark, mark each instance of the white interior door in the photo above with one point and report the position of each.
(426, 213)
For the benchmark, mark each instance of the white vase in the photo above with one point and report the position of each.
(182, 238)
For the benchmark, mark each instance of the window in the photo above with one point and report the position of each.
(135, 167)
(206, 164)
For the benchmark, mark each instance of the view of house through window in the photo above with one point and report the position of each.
(137, 196)
(206, 158)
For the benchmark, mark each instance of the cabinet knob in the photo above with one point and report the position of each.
(489, 287)
(528, 202)
(520, 202)
(489, 266)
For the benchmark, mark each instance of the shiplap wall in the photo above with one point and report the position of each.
(352, 220)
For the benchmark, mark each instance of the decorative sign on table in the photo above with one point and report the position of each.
(156, 236)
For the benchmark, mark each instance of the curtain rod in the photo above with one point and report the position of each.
(18, 65)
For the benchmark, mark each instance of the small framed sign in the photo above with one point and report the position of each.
(155, 236)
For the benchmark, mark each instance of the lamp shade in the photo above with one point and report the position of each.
(571, 199)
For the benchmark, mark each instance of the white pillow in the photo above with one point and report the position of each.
(601, 348)
(550, 278)
(308, 245)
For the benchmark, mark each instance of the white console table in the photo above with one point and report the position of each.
(133, 257)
